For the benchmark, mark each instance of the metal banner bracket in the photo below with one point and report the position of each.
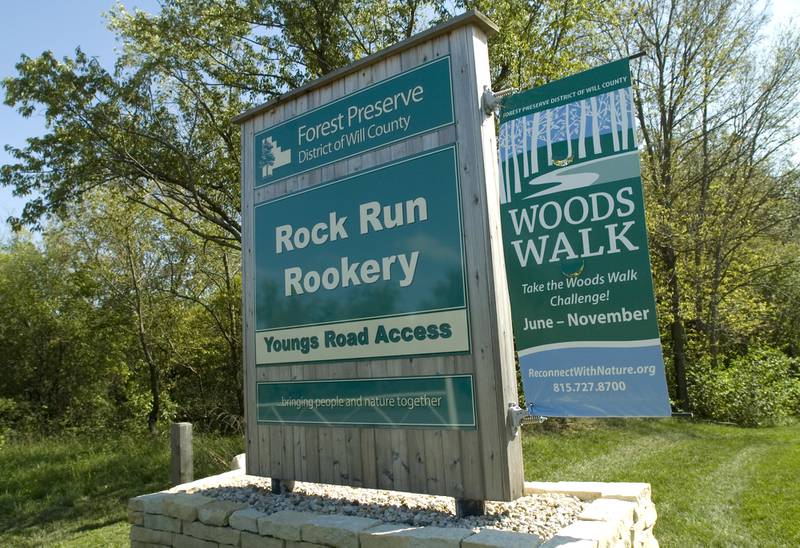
(515, 416)
(490, 100)
(536, 419)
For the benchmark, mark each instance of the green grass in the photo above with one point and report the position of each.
(73, 491)
(713, 485)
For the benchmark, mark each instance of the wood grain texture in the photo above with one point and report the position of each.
(253, 445)
(478, 464)
(181, 453)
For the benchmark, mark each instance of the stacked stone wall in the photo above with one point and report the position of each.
(615, 515)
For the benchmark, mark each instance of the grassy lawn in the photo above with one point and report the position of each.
(73, 491)
(713, 485)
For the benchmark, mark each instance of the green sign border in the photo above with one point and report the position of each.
(473, 426)
(466, 306)
(351, 95)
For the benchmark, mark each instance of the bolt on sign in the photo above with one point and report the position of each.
(576, 249)
(377, 330)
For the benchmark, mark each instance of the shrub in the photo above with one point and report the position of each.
(757, 389)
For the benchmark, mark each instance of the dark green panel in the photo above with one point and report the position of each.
(413, 102)
(420, 194)
(436, 401)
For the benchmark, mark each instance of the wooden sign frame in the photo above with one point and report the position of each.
(478, 463)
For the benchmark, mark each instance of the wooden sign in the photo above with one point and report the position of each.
(377, 337)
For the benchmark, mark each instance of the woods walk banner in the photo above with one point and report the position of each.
(576, 249)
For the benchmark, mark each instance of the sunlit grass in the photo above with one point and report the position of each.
(713, 485)
(73, 490)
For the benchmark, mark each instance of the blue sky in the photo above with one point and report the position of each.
(33, 26)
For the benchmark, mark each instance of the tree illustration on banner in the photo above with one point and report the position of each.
(267, 158)
(561, 138)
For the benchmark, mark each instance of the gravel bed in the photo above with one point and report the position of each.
(541, 514)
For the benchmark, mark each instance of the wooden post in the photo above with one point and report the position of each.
(280, 486)
(182, 464)
(469, 507)
(470, 456)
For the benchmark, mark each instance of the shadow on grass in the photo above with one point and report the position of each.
(72, 483)
(75, 484)
(93, 526)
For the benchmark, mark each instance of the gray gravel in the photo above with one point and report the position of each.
(542, 515)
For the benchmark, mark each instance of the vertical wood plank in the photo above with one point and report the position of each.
(252, 445)
(311, 458)
(384, 454)
(434, 463)
(473, 460)
(511, 465)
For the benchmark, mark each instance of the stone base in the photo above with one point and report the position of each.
(616, 515)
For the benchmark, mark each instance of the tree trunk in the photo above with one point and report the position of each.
(713, 307)
(597, 147)
(535, 143)
(152, 366)
(505, 181)
(582, 132)
(612, 111)
(234, 343)
(549, 137)
(155, 404)
(525, 168)
(623, 117)
(705, 183)
(677, 330)
(567, 131)
(517, 187)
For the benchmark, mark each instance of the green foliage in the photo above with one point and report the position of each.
(128, 312)
(713, 101)
(759, 388)
(73, 489)
(542, 40)
(117, 320)
(157, 129)
(60, 372)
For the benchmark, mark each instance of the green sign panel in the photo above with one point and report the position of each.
(411, 402)
(576, 249)
(367, 266)
(413, 102)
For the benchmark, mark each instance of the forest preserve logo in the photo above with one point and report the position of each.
(273, 156)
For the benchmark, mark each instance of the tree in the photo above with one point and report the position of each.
(60, 367)
(141, 164)
(541, 40)
(713, 120)
(157, 130)
(128, 252)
